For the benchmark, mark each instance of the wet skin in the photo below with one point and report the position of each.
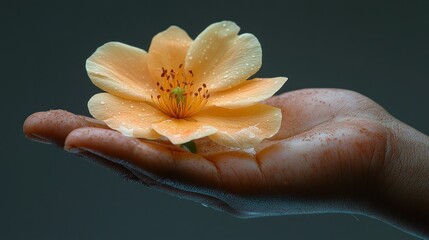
(336, 151)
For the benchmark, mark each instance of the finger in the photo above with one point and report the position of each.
(307, 108)
(54, 126)
(153, 159)
(341, 158)
(232, 172)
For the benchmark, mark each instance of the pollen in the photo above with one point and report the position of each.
(178, 97)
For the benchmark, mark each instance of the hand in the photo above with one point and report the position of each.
(335, 152)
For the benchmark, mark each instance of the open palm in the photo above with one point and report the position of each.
(326, 157)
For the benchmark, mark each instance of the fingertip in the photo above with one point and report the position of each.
(87, 137)
(53, 126)
(31, 123)
(43, 127)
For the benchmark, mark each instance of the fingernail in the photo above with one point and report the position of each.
(38, 139)
(73, 150)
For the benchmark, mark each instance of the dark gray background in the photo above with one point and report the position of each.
(377, 48)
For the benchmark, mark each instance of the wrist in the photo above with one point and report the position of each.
(403, 192)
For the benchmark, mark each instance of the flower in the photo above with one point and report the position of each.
(184, 89)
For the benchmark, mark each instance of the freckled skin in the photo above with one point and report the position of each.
(336, 151)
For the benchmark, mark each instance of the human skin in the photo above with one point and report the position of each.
(336, 151)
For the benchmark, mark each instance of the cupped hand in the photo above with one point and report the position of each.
(330, 155)
(330, 149)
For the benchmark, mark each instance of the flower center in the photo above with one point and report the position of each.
(177, 96)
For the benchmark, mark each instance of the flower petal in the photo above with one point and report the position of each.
(168, 50)
(247, 93)
(131, 118)
(221, 58)
(180, 131)
(243, 127)
(121, 70)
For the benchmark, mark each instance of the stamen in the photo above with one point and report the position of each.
(178, 98)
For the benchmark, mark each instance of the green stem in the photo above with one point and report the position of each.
(189, 146)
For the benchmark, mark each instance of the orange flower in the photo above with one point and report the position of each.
(184, 89)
